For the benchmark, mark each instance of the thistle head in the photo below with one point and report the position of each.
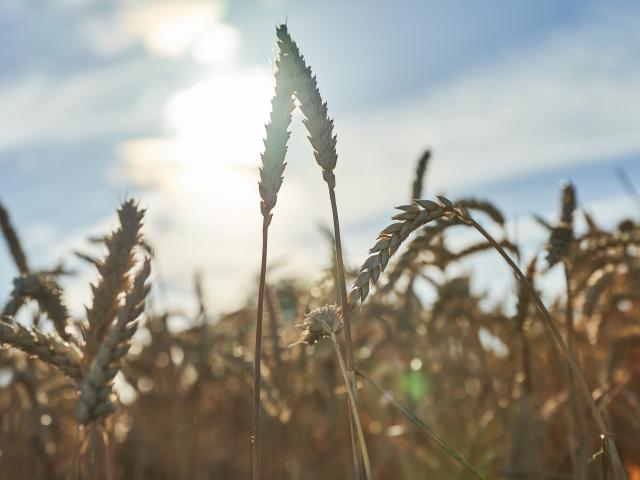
(320, 323)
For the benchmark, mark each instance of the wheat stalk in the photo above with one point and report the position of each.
(271, 176)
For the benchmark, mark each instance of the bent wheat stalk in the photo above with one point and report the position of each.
(618, 468)
(271, 176)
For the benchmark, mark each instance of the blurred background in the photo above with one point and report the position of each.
(166, 100)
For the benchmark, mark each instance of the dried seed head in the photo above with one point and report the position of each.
(321, 323)
(562, 236)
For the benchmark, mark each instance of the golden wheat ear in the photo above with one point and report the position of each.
(412, 217)
(44, 289)
(114, 276)
(49, 348)
(96, 395)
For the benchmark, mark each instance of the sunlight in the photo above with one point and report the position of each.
(220, 121)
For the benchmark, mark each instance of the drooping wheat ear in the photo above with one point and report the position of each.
(562, 237)
(413, 216)
(314, 108)
(114, 278)
(47, 347)
(96, 396)
(13, 241)
(44, 289)
(418, 182)
(275, 142)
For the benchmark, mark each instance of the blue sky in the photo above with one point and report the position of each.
(166, 100)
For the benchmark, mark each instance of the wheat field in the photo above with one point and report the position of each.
(353, 376)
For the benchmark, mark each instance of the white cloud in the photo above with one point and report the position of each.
(60, 109)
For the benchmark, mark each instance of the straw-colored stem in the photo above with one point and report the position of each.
(346, 317)
(354, 411)
(413, 418)
(257, 438)
(555, 333)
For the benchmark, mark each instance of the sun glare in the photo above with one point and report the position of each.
(220, 121)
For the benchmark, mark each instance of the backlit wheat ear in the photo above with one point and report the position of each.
(314, 108)
(562, 237)
(413, 216)
(96, 388)
(13, 241)
(48, 348)
(275, 142)
(44, 289)
(113, 272)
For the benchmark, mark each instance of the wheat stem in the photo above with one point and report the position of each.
(257, 437)
(354, 411)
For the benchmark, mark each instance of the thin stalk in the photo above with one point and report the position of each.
(579, 455)
(346, 317)
(555, 333)
(354, 411)
(413, 418)
(257, 437)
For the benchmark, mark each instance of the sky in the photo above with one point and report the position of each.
(166, 100)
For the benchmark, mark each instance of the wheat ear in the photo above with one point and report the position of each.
(44, 289)
(47, 347)
(271, 176)
(95, 399)
(113, 272)
(13, 241)
(562, 237)
(412, 217)
(421, 168)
